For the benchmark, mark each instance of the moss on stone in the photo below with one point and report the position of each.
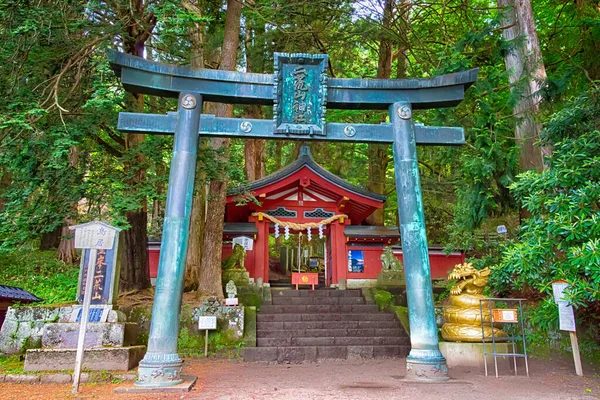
(383, 299)
(250, 326)
(250, 299)
(402, 314)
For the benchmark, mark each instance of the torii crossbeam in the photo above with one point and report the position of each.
(299, 92)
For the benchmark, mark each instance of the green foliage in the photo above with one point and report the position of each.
(41, 274)
(192, 343)
(11, 364)
(383, 299)
(561, 239)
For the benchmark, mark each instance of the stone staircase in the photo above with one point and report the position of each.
(308, 326)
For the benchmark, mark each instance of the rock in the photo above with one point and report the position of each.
(23, 327)
(21, 378)
(97, 359)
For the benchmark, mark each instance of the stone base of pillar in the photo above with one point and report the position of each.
(426, 365)
(160, 370)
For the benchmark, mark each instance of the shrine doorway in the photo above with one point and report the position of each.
(299, 253)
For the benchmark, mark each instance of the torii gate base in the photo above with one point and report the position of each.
(299, 91)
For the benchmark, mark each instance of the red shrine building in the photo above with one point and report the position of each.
(303, 194)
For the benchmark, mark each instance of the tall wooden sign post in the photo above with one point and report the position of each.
(300, 92)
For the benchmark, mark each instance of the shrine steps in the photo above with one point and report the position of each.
(310, 326)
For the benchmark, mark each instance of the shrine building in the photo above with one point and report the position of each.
(304, 194)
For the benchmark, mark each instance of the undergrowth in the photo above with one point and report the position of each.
(40, 273)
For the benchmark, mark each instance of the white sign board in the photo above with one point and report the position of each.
(558, 289)
(94, 236)
(243, 241)
(208, 322)
(566, 317)
(501, 229)
(231, 302)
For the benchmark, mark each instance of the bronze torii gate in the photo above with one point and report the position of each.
(299, 92)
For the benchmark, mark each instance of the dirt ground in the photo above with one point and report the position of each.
(370, 379)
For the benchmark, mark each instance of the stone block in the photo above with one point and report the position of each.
(24, 326)
(332, 352)
(184, 387)
(21, 378)
(56, 378)
(239, 276)
(272, 342)
(95, 359)
(359, 352)
(312, 341)
(360, 283)
(229, 319)
(391, 278)
(98, 334)
(296, 354)
(260, 354)
(2, 378)
(471, 354)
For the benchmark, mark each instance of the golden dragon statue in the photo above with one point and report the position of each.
(462, 316)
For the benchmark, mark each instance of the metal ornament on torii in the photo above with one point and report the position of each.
(299, 92)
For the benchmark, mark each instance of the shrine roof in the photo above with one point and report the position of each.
(305, 160)
(363, 231)
(17, 294)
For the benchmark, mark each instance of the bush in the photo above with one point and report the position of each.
(383, 299)
(561, 239)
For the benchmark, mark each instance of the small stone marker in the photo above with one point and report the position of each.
(96, 239)
(207, 323)
(501, 229)
(566, 319)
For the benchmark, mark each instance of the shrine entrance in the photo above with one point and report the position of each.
(300, 92)
(299, 205)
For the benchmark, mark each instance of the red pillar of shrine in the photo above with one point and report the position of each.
(261, 266)
(339, 258)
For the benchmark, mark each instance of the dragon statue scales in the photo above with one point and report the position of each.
(463, 317)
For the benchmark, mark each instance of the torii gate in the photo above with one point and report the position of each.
(299, 92)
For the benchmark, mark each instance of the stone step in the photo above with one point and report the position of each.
(96, 359)
(300, 354)
(332, 341)
(260, 317)
(276, 292)
(298, 309)
(300, 325)
(375, 332)
(284, 300)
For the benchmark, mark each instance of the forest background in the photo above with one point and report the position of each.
(531, 161)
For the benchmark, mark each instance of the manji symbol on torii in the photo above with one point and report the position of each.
(299, 92)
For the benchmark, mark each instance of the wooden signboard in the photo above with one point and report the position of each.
(305, 278)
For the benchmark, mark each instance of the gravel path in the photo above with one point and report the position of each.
(370, 379)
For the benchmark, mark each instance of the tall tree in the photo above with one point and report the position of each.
(210, 270)
(254, 149)
(527, 74)
(378, 153)
(139, 22)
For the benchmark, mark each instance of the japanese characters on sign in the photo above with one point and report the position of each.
(94, 236)
(300, 109)
(207, 322)
(301, 94)
(103, 270)
(243, 241)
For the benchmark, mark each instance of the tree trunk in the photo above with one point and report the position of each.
(66, 248)
(51, 240)
(135, 273)
(193, 258)
(526, 74)
(378, 153)
(210, 272)
(254, 149)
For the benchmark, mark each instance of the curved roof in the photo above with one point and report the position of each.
(305, 160)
